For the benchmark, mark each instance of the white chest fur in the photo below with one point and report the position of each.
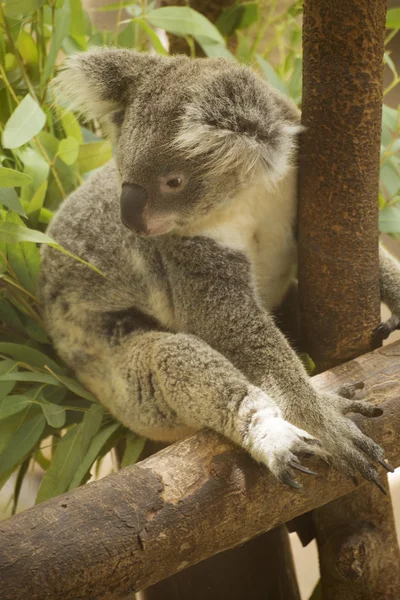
(259, 222)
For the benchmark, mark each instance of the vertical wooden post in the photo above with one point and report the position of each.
(338, 259)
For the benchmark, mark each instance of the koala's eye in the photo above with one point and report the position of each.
(172, 183)
(175, 182)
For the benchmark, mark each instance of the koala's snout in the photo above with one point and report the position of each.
(132, 204)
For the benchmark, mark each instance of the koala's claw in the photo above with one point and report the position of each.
(288, 480)
(380, 486)
(297, 465)
(383, 330)
(386, 465)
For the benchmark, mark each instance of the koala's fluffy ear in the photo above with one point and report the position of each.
(99, 82)
(237, 121)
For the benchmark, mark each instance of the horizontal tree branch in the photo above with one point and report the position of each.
(188, 502)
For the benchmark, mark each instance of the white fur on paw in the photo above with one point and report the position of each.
(275, 442)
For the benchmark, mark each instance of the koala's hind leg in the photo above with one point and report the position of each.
(162, 385)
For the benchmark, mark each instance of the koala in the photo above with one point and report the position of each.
(193, 226)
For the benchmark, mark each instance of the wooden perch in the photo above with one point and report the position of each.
(178, 507)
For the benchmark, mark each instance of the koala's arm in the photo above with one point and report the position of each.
(389, 280)
(389, 276)
(231, 320)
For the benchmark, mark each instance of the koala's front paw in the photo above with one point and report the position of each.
(350, 450)
(278, 444)
(383, 331)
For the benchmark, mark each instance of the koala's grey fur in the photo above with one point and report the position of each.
(179, 335)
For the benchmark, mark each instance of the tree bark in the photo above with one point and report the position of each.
(188, 502)
(338, 259)
(244, 572)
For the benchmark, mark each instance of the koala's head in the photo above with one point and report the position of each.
(189, 134)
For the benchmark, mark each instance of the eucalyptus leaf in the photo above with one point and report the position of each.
(9, 199)
(25, 122)
(95, 447)
(60, 31)
(35, 204)
(65, 462)
(23, 441)
(10, 317)
(155, 40)
(30, 356)
(17, 260)
(55, 414)
(271, 75)
(71, 126)
(393, 18)
(68, 150)
(77, 23)
(133, 450)
(10, 178)
(183, 21)
(91, 424)
(389, 219)
(94, 155)
(31, 377)
(13, 234)
(6, 387)
(13, 404)
(27, 48)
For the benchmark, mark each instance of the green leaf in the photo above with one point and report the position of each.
(16, 254)
(23, 441)
(182, 21)
(35, 204)
(13, 234)
(214, 50)
(389, 219)
(94, 155)
(155, 40)
(74, 386)
(69, 455)
(10, 178)
(64, 464)
(271, 75)
(27, 48)
(6, 387)
(68, 150)
(133, 450)
(238, 16)
(230, 19)
(55, 414)
(393, 18)
(13, 404)
(60, 31)
(22, 7)
(96, 445)
(18, 483)
(36, 166)
(390, 176)
(91, 424)
(9, 199)
(127, 37)
(10, 317)
(71, 126)
(25, 122)
(77, 23)
(31, 376)
(29, 356)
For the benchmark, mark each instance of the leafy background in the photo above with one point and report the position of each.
(48, 421)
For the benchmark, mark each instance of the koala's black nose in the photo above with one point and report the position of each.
(132, 203)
